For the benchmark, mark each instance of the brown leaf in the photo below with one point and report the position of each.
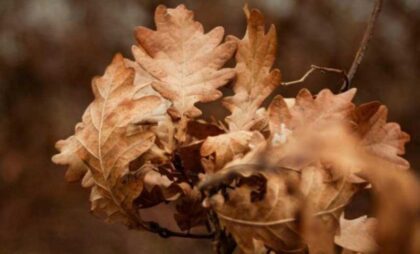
(316, 192)
(158, 188)
(221, 149)
(106, 144)
(357, 235)
(190, 213)
(309, 113)
(184, 61)
(255, 80)
(385, 140)
(256, 207)
(202, 130)
(68, 156)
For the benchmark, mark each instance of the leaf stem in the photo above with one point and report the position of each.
(313, 68)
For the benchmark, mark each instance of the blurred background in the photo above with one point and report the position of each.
(50, 50)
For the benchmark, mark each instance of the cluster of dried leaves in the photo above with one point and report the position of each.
(277, 179)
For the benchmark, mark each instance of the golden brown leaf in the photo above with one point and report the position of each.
(255, 80)
(259, 207)
(219, 150)
(309, 113)
(184, 61)
(106, 144)
(68, 156)
(385, 140)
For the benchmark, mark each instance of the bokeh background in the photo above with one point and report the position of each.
(50, 50)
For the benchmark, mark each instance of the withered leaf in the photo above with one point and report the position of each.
(202, 130)
(68, 156)
(190, 213)
(251, 209)
(385, 140)
(309, 113)
(106, 145)
(184, 61)
(219, 150)
(255, 79)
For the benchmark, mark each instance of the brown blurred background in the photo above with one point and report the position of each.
(50, 49)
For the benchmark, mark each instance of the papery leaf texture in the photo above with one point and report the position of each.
(185, 62)
(104, 144)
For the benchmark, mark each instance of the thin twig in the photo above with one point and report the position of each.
(365, 40)
(166, 233)
(357, 58)
(322, 69)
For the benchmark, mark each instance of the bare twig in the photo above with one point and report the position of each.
(357, 58)
(322, 69)
(166, 233)
(365, 40)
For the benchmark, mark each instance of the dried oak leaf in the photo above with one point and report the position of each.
(105, 142)
(255, 206)
(322, 192)
(68, 156)
(385, 140)
(309, 113)
(218, 150)
(184, 61)
(357, 235)
(255, 79)
(158, 187)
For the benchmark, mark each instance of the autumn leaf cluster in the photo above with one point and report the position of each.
(275, 179)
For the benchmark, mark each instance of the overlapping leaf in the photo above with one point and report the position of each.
(219, 150)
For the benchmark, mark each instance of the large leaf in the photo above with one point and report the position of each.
(184, 61)
(106, 144)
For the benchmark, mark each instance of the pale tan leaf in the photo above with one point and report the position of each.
(68, 156)
(184, 61)
(255, 79)
(357, 234)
